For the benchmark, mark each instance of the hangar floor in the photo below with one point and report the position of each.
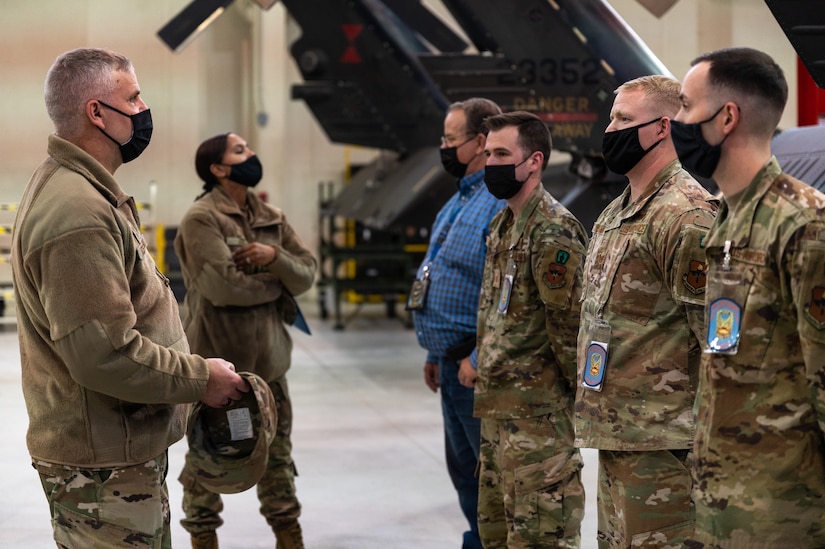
(367, 441)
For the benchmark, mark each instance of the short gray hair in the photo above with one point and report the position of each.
(74, 78)
(476, 109)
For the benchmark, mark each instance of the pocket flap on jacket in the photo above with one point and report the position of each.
(533, 477)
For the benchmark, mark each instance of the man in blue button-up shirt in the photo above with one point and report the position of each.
(445, 318)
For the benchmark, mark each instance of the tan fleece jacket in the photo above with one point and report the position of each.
(105, 362)
(235, 314)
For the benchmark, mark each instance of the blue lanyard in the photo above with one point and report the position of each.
(446, 229)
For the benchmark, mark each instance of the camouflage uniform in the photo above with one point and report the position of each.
(104, 508)
(276, 489)
(645, 276)
(760, 450)
(530, 491)
(229, 446)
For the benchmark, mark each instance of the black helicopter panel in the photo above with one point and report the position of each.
(363, 81)
(560, 59)
(381, 74)
(803, 22)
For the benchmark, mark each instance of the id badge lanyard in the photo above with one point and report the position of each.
(598, 334)
(507, 283)
(726, 293)
(418, 291)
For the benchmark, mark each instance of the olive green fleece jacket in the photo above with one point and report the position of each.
(236, 314)
(105, 363)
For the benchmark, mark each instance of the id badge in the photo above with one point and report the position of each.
(507, 287)
(726, 293)
(418, 291)
(596, 364)
(235, 242)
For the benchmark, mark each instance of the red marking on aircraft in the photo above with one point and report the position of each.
(351, 31)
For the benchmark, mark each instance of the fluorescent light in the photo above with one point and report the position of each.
(193, 19)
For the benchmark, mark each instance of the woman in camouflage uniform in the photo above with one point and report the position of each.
(241, 264)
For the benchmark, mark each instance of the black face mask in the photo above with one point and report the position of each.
(449, 159)
(141, 133)
(249, 172)
(696, 155)
(622, 150)
(501, 180)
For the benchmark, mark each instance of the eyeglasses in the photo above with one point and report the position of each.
(448, 140)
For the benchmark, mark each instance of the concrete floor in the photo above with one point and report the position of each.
(368, 446)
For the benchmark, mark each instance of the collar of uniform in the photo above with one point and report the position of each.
(468, 184)
(224, 202)
(532, 203)
(629, 211)
(738, 230)
(261, 214)
(658, 182)
(74, 158)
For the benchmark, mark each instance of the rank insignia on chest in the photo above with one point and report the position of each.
(815, 311)
(554, 277)
(142, 246)
(696, 278)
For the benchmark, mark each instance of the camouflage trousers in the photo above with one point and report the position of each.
(276, 489)
(530, 490)
(109, 508)
(644, 499)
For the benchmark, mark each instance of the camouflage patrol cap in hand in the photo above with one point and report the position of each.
(229, 446)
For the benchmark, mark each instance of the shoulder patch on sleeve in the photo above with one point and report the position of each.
(555, 276)
(695, 278)
(558, 268)
(691, 267)
(815, 307)
(809, 284)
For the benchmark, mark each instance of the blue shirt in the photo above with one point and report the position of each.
(456, 265)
